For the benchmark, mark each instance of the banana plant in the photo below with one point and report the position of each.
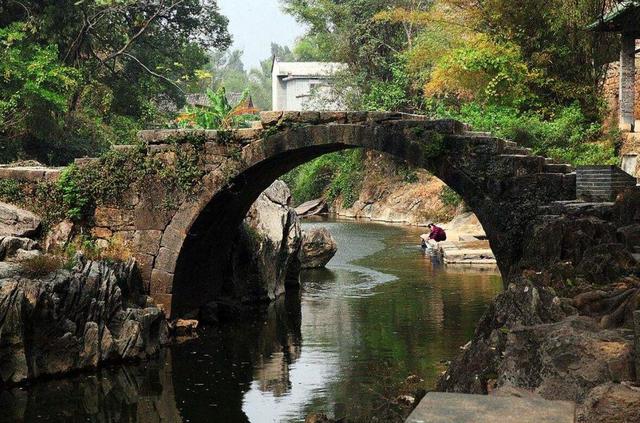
(219, 113)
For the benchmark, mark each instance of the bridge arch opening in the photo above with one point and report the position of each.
(203, 255)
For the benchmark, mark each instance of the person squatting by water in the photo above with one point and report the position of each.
(436, 234)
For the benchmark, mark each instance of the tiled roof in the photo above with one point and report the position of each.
(623, 17)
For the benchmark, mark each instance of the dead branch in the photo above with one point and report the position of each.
(157, 75)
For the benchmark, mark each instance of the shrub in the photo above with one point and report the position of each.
(566, 135)
(10, 190)
(332, 175)
(41, 265)
(449, 197)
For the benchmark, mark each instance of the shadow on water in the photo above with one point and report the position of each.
(380, 312)
(196, 381)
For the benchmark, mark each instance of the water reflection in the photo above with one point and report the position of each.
(380, 312)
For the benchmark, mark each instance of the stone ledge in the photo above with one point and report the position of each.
(440, 407)
(31, 173)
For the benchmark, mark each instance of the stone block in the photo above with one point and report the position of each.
(356, 117)
(290, 116)
(123, 237)
(98, 232)
(145, 265)
(172, 238)
(211, 148)
(84, 161)
(333, 117)
(161, 282)
(269, 119)
(146, 241)
(440, 407)
(247, 134)
(163, 301)
(113, 218)
(377, 117)
(159, 148)
(166, 260)
(310, 117)
(52, 174)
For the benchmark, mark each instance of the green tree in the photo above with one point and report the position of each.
(131, 59)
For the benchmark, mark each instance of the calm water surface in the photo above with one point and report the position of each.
(381, 311)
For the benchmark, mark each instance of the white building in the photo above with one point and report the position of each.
(304, 85)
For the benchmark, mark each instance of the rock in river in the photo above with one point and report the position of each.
(318, 247)
(264, 256)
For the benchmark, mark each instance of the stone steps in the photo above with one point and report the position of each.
(558, 168)
(440, 407)
(517, 151)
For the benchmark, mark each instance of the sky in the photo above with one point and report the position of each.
(255, 24)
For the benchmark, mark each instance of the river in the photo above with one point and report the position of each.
(381, 311)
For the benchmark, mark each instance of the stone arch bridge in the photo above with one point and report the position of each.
(182, 248)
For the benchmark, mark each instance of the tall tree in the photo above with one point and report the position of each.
(128, 55)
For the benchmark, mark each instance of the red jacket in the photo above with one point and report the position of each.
(437, 234)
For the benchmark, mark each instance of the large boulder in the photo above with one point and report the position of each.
(71, 320)
(10, 245)
(318, 247)
(15, 221)
(533, 341)
(611, 403)
(264, 256)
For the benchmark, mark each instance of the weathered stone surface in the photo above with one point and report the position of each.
(73, 320)
(312, 208)
(10, 245)
(113, 217)
(610, 403)
(269, 119)
(565, 360)
(22, 255)
(437, 407)
(576, 243)
(105, 233)
(265, 253)
(147, 241)
(318, 247)
(185, 326)
(59, 235)
(15, 221)
(278, 193)
(522, 304)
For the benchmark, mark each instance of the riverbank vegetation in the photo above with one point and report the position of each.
(527, 71)
(78, 76)
(81, 76)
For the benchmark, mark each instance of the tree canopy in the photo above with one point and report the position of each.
(84, 73)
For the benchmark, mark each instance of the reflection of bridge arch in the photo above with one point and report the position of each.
(501, 183)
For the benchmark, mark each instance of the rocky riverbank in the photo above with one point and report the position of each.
(392, 193)
(61, 314)
(564, 329)
(61, 320)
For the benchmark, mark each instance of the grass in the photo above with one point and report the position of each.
(43, 265)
